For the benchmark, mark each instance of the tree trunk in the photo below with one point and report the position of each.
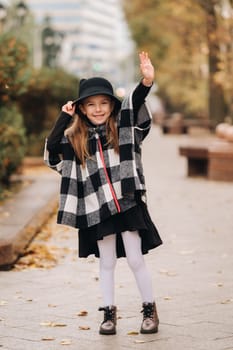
(217, 105)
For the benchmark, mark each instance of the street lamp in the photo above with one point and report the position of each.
(15, 18)
(3, 14)
(21, 12)
(51, 44)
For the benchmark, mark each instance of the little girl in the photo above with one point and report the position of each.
(96, 146)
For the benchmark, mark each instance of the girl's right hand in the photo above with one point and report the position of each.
(69, 108)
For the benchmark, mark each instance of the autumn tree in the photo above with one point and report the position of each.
(217, 105)
(172, 33)
(186, 46)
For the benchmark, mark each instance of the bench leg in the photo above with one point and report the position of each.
(197, 167)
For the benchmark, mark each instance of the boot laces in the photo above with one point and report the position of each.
(108, 313)
(148, 311)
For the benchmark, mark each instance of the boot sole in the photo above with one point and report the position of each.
(151, 331)
(107, 332)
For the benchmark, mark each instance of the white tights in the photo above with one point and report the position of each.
(135, 259)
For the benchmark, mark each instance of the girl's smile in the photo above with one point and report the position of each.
(97, 108)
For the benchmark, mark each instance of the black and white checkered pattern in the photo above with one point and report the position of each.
(85, 196)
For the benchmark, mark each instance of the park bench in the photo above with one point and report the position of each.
(176, 124)
(212, 159)
(197, 158)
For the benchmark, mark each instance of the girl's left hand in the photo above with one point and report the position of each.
(147, 69)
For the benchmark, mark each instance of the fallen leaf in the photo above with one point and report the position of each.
(133, 333)
(37, 256)
(168, 273)
(46, 324)
(227, 301)
(59, 324)
(167, 298)
(139, 341)
(47, 338)
(52, 324)
(82, 313)
(3, 302)
(52, 305)
(220, 284)
(84, 328)
(65, 342)
(186, 252)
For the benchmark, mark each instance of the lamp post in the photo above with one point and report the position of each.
(13, 17)
(3, 15)
(21, 12)
(51, 44)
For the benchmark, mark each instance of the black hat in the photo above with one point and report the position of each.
(96, 86)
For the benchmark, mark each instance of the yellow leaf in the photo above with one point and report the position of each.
(46, 324)
(82, 313)
(47, 338)
(133, 333)
(66, 342)
(3, 302)
(220, 284)
(227, 301)
(84, 328)
(52, 305)
(167, 298)
(52, 324)
(139, 341)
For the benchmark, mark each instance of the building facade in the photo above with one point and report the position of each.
(94, 38)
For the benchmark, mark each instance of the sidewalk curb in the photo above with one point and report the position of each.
(27, 212)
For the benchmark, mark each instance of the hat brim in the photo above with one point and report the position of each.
(79, 100)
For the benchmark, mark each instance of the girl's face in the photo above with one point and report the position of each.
(97, 108)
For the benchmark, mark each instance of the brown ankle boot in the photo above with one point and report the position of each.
(150, 321)
(108, 326)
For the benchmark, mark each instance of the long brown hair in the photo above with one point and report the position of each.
(77, 134)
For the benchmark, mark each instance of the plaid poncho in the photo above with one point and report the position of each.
(85, 195)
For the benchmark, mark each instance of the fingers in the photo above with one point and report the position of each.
(69, 105)
(69, 108)
(144, 58)
(147, 68)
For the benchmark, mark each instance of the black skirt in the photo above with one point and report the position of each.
(134, 219)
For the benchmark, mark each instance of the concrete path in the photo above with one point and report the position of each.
(192, 273)
(22, 216)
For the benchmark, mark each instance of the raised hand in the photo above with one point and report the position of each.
(147, 69)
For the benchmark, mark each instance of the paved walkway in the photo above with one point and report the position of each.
(192, 273)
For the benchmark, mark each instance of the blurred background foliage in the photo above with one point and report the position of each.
(30, 101)
(191, 44)
(12, 143)
(47, 90)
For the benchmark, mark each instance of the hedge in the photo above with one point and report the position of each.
(12, 143)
